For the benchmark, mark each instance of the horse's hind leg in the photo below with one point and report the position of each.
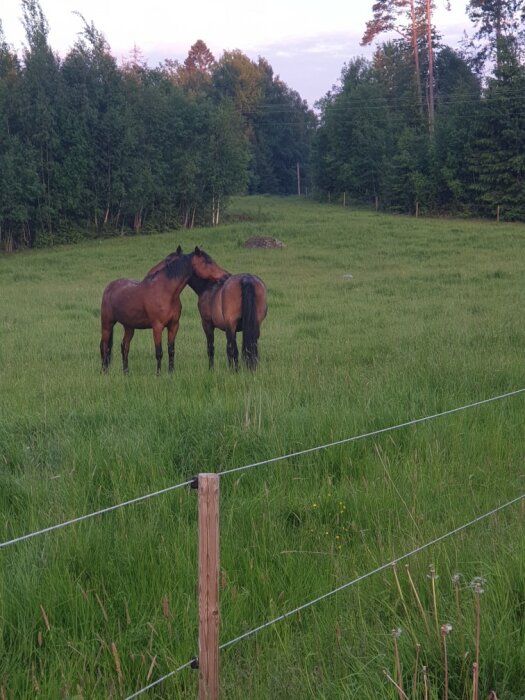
(231, 349)
(209, 331)
(124, 347)
(173, 328)
(106, 343)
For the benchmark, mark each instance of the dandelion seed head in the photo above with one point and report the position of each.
(446, 629)
(456, 579)
(396, 632)
(478, 584)
(432, 575)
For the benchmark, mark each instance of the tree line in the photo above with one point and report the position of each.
(421, 127)
(91, 147)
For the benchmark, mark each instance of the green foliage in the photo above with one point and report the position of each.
(373, 320)
(373, 144)
(89, 146)
(354, 138)
(498, 154)
(277, 124)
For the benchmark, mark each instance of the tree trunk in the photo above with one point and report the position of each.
(416, 56)
(430, 69)
(137, 223)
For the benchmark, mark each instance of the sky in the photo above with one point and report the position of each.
(307, 42)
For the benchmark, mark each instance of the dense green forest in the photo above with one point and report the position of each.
(423, 127)
(91, 147)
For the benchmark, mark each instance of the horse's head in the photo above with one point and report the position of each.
(205, 268)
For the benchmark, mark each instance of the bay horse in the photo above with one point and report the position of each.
(233, 303)
(152, 303)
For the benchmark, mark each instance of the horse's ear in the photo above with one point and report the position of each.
(179, 250)
(198, 251)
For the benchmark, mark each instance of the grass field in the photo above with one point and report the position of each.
(373, 320)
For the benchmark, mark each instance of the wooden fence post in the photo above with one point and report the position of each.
(208, 488)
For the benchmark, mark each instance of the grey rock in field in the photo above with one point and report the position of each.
(263, 242)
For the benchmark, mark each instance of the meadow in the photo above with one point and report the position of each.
(373, 320)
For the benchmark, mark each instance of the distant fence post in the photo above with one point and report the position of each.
(208, 518)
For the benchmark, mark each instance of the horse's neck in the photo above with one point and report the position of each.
(200, 286)
(175, 285)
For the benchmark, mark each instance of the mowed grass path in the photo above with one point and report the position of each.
(373, 320)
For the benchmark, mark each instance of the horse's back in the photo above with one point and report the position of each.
(118, 290)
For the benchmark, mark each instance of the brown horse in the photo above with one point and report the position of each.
(234, 303)
(152, 303)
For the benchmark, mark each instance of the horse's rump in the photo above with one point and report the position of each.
(122, 302)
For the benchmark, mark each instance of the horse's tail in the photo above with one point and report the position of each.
(110, 344)
(107, 324)
(250, 330)
(106, 345)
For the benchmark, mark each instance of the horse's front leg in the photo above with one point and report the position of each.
(157, 339)
(173, 328)
(124, 347)
(231, 349)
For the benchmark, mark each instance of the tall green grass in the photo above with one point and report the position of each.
(373, 320)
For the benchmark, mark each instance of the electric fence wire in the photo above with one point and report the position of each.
(372, 433)
(81, 518)
(160, 680)
(272, 460)
(324, 596)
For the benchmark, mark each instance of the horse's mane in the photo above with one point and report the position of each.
(173, 265)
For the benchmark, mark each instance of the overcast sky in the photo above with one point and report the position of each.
(306, 42)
